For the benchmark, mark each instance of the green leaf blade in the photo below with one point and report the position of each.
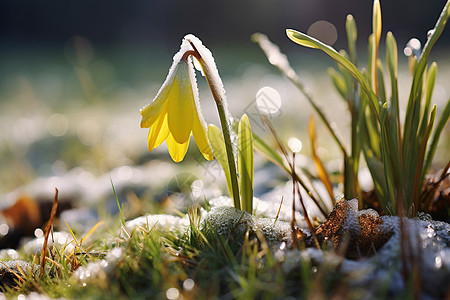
(436, 135)
(307, 41)
(217, 142)
(339, 82)
(352, 35)
(245, 163)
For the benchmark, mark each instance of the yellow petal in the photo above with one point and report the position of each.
(176, 150)
(201, 139)
(153, 110)
(181, 105)
(158, 132)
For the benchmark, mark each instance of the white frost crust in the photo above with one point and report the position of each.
(214, 77)
(184, 47)
(161, 222)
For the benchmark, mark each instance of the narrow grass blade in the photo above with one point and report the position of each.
(416, 86)
(418, 178)
(91, 232)
(372, 134)
(352, 35)
(245, 163)
(323, 175)
(370, 63)
(431, 80)
(376, 36)
(122, 218)
(339, 82)
(377, 171)
(380, 83)
(349, 79)
(388, 158)
(434, 35)
(435, 138)
(392, 66)
(429, 87)
(73, 234)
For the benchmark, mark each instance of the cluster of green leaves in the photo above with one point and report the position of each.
(398, 158)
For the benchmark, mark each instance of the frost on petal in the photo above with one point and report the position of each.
(176, 150)
(209, 59)
(181, 106)
(213, 73)
(158, 132)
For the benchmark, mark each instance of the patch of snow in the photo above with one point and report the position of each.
(99, 269)
(58, 239)
(161, 222)
(269, 204)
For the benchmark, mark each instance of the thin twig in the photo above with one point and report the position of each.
(279, 209)
(293, 221)
(283, 151)
(47, 231)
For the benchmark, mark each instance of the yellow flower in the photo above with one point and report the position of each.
(175, 113)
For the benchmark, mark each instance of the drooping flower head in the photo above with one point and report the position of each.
(175, 112)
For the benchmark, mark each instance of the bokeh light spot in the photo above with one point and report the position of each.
(413, 47)
(295, 145)
(172, 293)
(268, 100)
(4, 229)
(323, 31)
(38, 232)
(188, 284)
(57, 124)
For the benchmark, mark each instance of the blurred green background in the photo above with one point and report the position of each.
(74, 74)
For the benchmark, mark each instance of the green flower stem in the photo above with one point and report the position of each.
(220, 103)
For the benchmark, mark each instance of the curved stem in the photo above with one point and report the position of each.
(224, 122)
